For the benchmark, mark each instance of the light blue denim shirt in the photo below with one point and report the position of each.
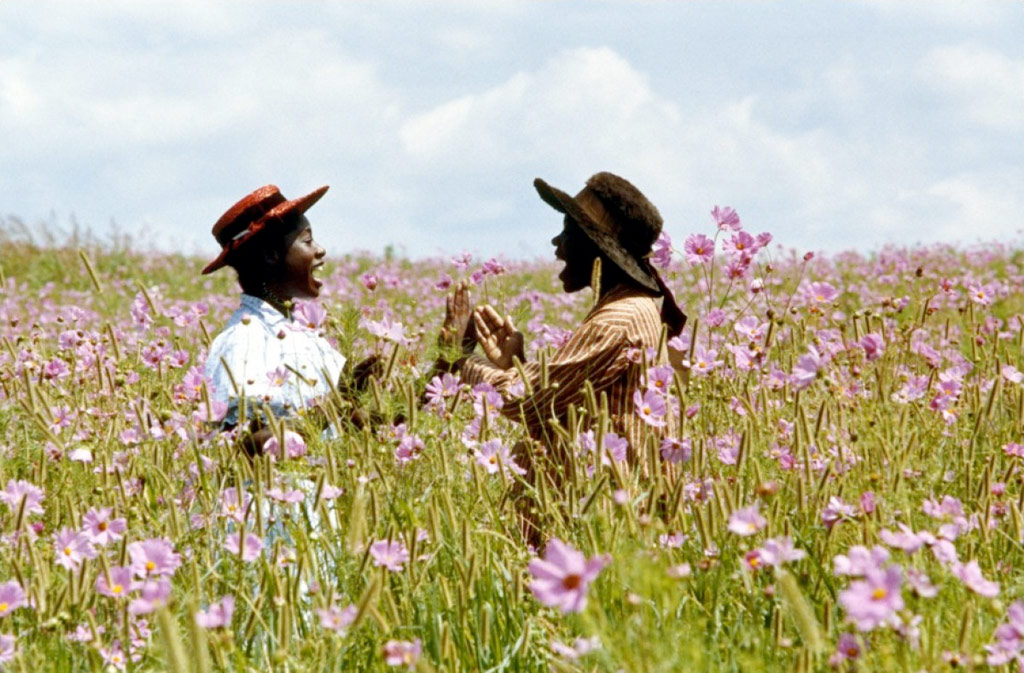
(274, 362)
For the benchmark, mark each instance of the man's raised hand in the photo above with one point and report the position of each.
(457, 328)
(497, 336)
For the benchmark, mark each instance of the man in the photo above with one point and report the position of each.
(610, 220)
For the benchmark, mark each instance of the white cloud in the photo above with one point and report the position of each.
(987, 84)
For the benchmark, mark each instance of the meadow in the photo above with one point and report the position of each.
(842, 490)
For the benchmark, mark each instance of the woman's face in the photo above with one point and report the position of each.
(575, 248)
(301, 260)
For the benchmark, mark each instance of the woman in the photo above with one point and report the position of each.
(264, 361)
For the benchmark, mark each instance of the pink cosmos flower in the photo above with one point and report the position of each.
(579, 648)
(676, 450)
(747, 521)
(444, 281)
(486, 399)
(19, 490)
(616, 447)
(279, 376)
(1014, 449)
(154, 595)
(440, 388)
(562, 577)
(660, 379)
(121, 582)
(294, 445)
(337, 619)
(873, 601)
(740, 244)
(12, 597)
(155, 556)
(860, 560)
(492, 455)
(672, 540)
(750, 328)
(392, 554)
(1009, 637)
(836, 510)
(662, 252)
(71, 548)
(1012, 374)
(806, 368)
(981, 294)
(249, 545)
(114, 656)
(8, 647)
(234, 503)
(650, 407)
(410, 447)
(725, 218)
(704, 361)
(970, 574)
(873, 345)
(738, 267)
(101, 529)
(847, 649)
(330, 492)
(309, 314)
(821, 292)
(920, 583)
(402, 653)
(779, 550)
(699, 249)
(287, 497)
(217, 615)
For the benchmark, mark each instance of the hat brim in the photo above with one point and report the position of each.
(607, 243)
(293, 207)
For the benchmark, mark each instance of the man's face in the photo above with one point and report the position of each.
(575, 248)
(303, 257)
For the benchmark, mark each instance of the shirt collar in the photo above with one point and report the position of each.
(262, 309)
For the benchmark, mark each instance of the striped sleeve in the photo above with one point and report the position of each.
(596, 352)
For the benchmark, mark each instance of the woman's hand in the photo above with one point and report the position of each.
(457, 329)
(498, 337)
(362, 372)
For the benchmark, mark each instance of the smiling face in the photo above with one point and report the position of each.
(575, 248)
(302, 257)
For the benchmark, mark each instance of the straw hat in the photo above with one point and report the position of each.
(617, 217)
(244, 220)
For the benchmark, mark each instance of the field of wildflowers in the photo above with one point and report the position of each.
(843, 489)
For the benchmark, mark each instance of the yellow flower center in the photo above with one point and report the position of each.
(116, 589)
(67, 551)
(878, 594)
(150, 566)
(102, 525)
(3, 607)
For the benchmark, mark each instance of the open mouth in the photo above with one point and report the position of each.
(317, 283)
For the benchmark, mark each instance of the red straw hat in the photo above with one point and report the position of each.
(249, 216)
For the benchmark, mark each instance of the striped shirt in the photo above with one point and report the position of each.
(606, 350)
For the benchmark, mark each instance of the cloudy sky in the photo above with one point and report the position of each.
(830, 124)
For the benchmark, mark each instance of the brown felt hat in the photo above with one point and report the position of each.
(244, 220)
(617, 217)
